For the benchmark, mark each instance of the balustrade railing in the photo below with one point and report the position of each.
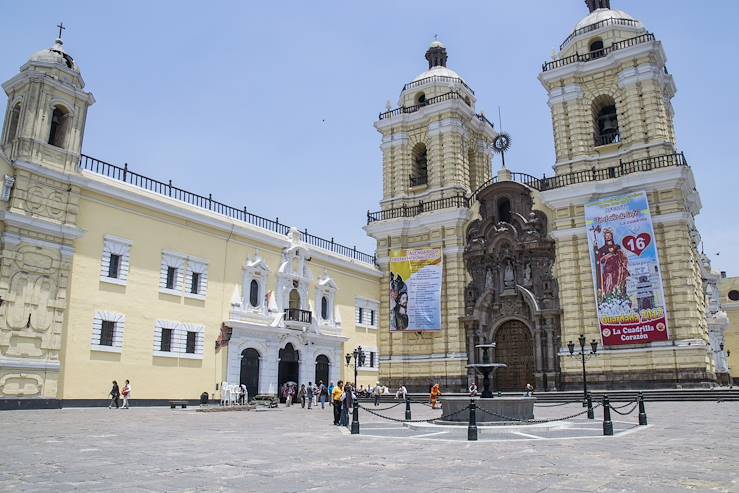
(298, 315)
(541, 184)
(586, 57)
(606, 138)
(437, 78)
(412, 109)
(611, 21)
(124, 174)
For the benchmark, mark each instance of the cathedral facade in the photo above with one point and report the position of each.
(529, 262)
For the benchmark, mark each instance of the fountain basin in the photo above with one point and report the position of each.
(513, 408)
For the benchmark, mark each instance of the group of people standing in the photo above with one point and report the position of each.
(116, 393)
(310, 395)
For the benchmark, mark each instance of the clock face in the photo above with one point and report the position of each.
(502, 142)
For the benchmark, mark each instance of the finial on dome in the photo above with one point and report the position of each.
(594, 5)
(436, 54)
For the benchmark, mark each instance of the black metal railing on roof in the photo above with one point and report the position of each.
(298, 315)
(412, 109)
(611, 21)
(586, 57)
(436, 78)
(167, 189)
(541, 184)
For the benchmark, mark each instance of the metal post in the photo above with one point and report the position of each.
(607, 423)
(642, 411)
(591, 415)
(472, 426)
(584, 377)
(355, 417)
(408, 408)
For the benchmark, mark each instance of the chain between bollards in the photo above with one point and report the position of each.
(591, 414)
(355, 417)
(642, 411)
(408, 408)
(607, 423)
(472, 426)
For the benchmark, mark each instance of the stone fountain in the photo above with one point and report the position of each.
(514, 408)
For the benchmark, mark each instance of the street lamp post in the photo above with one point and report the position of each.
(582, 354)
(358, 356)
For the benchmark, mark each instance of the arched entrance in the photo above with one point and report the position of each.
(513, 346)
(322, 369)
(288, 370)
(250, 371)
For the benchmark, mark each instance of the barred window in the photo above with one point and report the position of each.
(190, 344)
(107, 330)
(166, 342)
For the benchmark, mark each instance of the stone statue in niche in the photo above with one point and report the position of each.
(509, 278)
(489, 279)
(527, 274)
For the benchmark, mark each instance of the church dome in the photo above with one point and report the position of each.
(55, 55)
(440, 71)
(604, 14)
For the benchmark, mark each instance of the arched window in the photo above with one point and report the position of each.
(419, 174)
(254, 293)
(324, 308)
(473, 169)
(504, 210)
(420, 98)
(15, 116)
(59, 126)
(596, 48)
(294, 301)
(605, 121)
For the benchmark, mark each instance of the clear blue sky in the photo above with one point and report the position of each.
(271, 104)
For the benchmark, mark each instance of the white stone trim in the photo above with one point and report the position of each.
(41, 225)
(12, 239)
(178, 344)
(365, 319)
(117, 246)
(570, 92)
(196, 267)
(426, 358)
(119, 327)
(8, 182)
(29, 364)
(177, 261)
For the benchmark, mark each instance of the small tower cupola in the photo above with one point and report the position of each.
(594, 5)
(436, 54)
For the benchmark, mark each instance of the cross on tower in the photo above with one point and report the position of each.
(61, 28)
(436, 37)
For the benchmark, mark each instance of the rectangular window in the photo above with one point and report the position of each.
(107, 330)
(195, 286)
(171, 277)
(114, 265)
(372, 359)
(372, 317)
(360, 315)
(190, 345)
(166, 344)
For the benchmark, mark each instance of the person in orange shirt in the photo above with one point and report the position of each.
(435, 393)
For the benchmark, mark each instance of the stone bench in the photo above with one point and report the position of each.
(174, 404)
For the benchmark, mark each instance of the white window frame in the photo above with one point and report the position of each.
(119, 328)
(255, 269)
(179, 339)
(176, 260)
(198, 266)
(367, 359)
(367, 307)
(113, 245)
(326, 287)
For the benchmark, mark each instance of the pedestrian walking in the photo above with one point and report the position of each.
(126, 394)
(309, 394)
(345, 405)
(115, 394)
(323, 395)
(301, 395)
(435, 393)
(336, 396)
(377, 392)
(529, 390)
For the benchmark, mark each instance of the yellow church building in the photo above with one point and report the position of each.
(110, 275)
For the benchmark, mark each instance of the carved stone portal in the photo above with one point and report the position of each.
(513, 298)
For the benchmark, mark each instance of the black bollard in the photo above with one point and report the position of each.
(355, 418)
(642, 411)
(591, 414)
(607, 423)
(408, 408)
(472, 427)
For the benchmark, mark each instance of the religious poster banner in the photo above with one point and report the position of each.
(626, 271)
(415, 289)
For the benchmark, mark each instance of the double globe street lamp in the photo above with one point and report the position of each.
(358, 355)
(582, 354)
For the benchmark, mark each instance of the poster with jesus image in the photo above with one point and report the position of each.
(415, 289)
(626, 272)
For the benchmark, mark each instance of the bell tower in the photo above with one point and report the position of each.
(610, 98)
(434, 148)
(40, 144)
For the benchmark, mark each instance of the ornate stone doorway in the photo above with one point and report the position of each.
(515, 348)
(250, 371)
(289, 368)
(321, 369)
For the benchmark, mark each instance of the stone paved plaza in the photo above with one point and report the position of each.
(690, 446)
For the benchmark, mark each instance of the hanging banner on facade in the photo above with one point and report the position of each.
(626, 271)
(415, 289)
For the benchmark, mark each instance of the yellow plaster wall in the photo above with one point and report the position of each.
(731, 336)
